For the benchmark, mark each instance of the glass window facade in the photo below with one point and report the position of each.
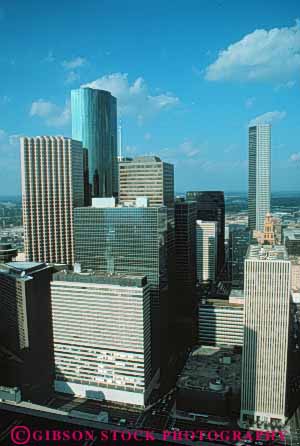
(94, 122)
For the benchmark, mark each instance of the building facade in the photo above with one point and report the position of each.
(147, 176)
(102, 336)
(129, 240)
(291, 240)
(206, 250)
(239, 241)
(211, 207)
(185, 257)
(259, 175)
(52, 185)
(26, 327)
(266, 336)
(220, 323)
(94, 123)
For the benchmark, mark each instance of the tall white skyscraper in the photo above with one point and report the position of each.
(206, 250)
(259, 187)
(266, 335)
(52, 185)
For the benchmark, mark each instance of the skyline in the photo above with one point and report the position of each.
(167, 69)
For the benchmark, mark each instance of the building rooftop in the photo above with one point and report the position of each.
(132, 280)
(267, 253)
(209, 364)
(222, 303)
(26, 266)
(146, 159)
(22, 270)
(292, 233)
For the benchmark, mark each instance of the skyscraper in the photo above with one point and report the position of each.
(94, 123)
(128, 240)
(102, 336)
(211, 207)
(147, 176)
(26, 327)
(52, 185)
(239, 241)
(266, 336)
(206, 250)
(259, 187)
(185, 278)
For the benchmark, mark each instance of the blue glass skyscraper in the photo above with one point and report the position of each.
(94, 123)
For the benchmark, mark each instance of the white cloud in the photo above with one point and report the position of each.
(9, 144)
(250, 102)
(72, 77)
(295, 157)
(74, 63)
(289, 85)
(50, 57)
(268, 118)
(134, 99)
(52, 114)
(130, 150)
(42, 108)
(260, 55)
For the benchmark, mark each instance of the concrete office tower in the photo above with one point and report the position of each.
(185, 258)
(266, 336)
(211, 207)
(239, 241)
(259, 179)
(147, 176)
(94, 123)
(52, 185)
(206, 250)
(102, 336)
(128, 240)
(26, 328)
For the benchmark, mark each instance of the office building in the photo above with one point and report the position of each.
(147, 176)
(52, 185)
(26, 328)
(185, 257)
(221, 322)
(291, 240)
(211, 207)
(259, 179)
(266, 336)
(102, 336)
(128, 240)
(206, 250)
(94, 123)
(239, 241)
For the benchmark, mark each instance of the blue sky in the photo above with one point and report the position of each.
(189, 76)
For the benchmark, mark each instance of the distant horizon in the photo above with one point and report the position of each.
(177, 193)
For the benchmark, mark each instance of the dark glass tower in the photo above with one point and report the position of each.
(185, 245)
(211, 207)
(26, 328)
(94, 123)
(239, 241)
